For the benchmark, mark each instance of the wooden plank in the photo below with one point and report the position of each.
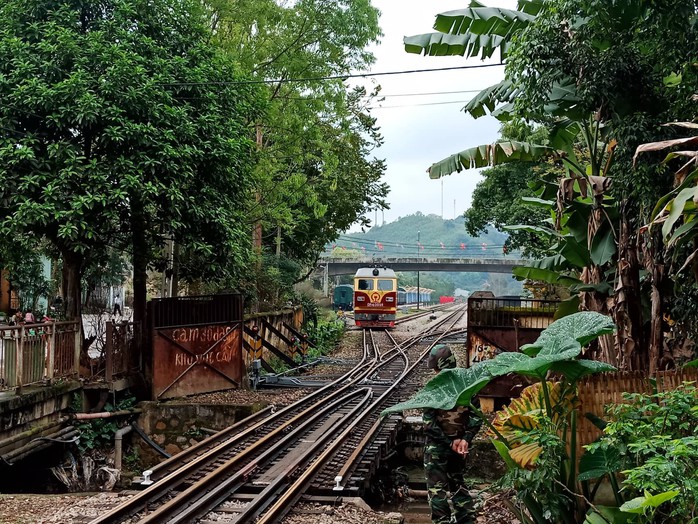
(278, 333)
(296, 333)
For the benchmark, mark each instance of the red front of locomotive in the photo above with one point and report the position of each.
(375, 297)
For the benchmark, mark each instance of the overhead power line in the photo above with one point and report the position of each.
(332, 77)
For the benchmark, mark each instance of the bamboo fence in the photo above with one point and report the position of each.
(598, 391)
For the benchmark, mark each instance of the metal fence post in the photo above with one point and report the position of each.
(20, 359)
(78, 344)
(51, 356)
(109, 353)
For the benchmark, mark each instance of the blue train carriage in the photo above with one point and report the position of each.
(343, 297)
(375, 297)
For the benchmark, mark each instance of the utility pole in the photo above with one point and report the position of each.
(442, 198)
(418, 248)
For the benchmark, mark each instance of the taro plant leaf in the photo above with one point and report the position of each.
(583, 327)
(536, 366)
(603, 247)
(641, 504)
(576, 369)
(451, 387)
(600, 462)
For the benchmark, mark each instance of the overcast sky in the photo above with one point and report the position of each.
(422, 129)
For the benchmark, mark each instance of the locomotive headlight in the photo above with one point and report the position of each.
(389, 299)
(361, 299)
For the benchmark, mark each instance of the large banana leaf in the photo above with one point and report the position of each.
(451, 387)
(475, 31)
(489, 97)
(490, 155)
(439, 44)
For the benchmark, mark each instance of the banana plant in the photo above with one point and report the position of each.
(545, 407)
(601, 263)
(676, 212)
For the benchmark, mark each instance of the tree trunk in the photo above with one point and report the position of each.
(656, 270)
(593, 300)
(626, 309)
(175, 270)
(70, 277)
(140, 265)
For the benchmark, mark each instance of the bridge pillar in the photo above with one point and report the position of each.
(326, 280)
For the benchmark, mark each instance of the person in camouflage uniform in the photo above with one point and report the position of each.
(448, 437)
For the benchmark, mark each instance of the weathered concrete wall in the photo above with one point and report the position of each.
(175, 426)
(35, 408)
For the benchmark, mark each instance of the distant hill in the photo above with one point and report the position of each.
(437, 238)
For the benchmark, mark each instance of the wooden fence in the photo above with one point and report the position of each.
(598, 391)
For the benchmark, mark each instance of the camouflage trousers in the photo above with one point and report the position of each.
(445, 474)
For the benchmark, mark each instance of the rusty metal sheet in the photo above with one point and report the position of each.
(197, 359)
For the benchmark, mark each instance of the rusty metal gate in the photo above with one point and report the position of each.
(197, 344)
(497, 324)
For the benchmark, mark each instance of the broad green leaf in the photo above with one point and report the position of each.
(683, 231)
(601, 462)
(640, 504)
(601, 287)
(540, 230)
(672, 80)
(546, 275)
(538, 202)
(603, 247)
(567, 307)
(583, 327)
(488, 98)
(576, 369)
(575, 253)
(451, 387)
(534, 366)
(606, 515)
(564, 134)
(676, 209)
(491, 155)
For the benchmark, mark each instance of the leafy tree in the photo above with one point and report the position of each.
(315, 175)
(563, 70)
(498, 199)
(117, 130)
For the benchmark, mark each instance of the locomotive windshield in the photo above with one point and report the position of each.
(365, 285)
(385, 284)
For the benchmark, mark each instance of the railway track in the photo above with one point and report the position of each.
(326, 443)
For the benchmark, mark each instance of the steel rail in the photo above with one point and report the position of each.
(189, 504)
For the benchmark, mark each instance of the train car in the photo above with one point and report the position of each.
(375, 297)
(401, 296)
(343, 297)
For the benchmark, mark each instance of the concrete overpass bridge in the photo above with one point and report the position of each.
(329, 267)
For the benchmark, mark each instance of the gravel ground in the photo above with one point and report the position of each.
(83, 507)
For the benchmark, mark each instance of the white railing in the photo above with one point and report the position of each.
(35, 353)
